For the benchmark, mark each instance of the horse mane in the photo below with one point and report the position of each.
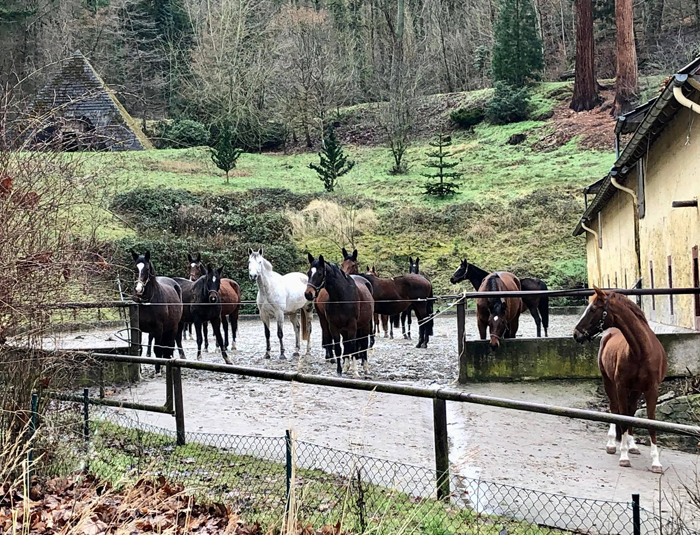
(266, 263)
(623, 301)
(493, 283)
(479, 272)
(336, 269)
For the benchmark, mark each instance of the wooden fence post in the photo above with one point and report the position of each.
(442, 451)
(169, 388)
(179, 406)
(134, 342)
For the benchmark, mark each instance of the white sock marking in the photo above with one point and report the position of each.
(612, 442)
(655, 456)
(624, 448)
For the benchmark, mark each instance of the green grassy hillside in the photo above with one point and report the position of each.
(517, 207)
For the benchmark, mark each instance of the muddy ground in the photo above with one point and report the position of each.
(522, 449)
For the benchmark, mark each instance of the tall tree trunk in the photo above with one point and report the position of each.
(626, 78)
(655, 11)
(585, 86)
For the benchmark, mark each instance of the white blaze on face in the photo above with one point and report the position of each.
(139, 284)
(252, 266)
(193, 265)
(495, 318)
(213, 279)
(313, 271)
(585, 312)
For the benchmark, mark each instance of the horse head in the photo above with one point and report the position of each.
(414, 265)
(596, 317)
(371, 271)
(317, 277)
(197, 268)
(213, 284)
(256, 264)
(460, 273)
(498, 325)
(144, 271)
(349, 265)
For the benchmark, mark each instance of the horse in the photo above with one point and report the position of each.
(632, 362)
(393, 296)
(413, 268)
(538, 305)
(347, 307)
(500, 315)
(202, 304)
(280, 296)
(230, 294)
(386, 325)
(162, 320)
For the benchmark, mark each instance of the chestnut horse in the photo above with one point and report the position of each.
(632, 362)
(230, 293)
(394, 296)
(501, 315)
(347, 307)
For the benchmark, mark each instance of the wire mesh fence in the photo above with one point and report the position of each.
(266, 478)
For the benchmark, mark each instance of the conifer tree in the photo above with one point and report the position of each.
(224, 154)
(333, 162)
(443, 168)
(517, 53)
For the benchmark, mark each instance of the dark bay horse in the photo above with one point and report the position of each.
(230, 294)
(202, 304)
(500, 315)
(160, 305)
(381, 321)
(413, 268)
(393, 296)
(347, 308)
(537, 305)
(632, 362)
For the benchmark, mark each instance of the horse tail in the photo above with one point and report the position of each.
(543, 307)
(307, 314)
(429, 310)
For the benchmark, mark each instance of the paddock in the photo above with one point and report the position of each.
(522, 449)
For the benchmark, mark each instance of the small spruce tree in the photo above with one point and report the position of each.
(442, 168)
(223, 153)
(517, 52)
(333, 162)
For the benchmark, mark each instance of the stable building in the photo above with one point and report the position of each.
(642, 224)
(77, 111)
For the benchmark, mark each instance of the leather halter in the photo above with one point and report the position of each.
(601, 324)
(320, 286)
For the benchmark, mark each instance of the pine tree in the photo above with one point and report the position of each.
(517, 53)
(333, 163)
(224, 154)
(439, 155)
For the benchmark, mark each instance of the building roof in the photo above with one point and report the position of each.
(650, 120)
(78, 93)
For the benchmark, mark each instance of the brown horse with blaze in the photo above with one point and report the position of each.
(500, 315)
(632, 362)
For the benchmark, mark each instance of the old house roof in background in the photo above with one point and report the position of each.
(646, 122)
(78, 93)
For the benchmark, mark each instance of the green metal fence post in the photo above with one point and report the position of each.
(179, 406)
(288, 451)
(636, 521)
(442, 453)
(86, 423)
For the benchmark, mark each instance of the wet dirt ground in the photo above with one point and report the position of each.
(522, 449)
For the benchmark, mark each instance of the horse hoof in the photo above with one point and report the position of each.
(610, 450)
(199, 357)
(296, 355)
(406, 337)
(282, 357)
(267, 356)
(634, 451)
(625, 463)
(657, 469)
(233, 347)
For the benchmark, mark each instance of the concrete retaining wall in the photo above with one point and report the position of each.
(562, 358)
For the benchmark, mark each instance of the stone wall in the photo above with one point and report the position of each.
(680, 410)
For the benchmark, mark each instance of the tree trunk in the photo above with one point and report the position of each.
(626, 78)
(585, 86)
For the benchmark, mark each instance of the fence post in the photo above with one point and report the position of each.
(288, 463)
(32, 432)
(134, 342)
(636, 521)
(169, 388)
(461, 320)
(179, 406)
(86, 424)
(442, 453)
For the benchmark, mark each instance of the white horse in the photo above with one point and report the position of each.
(280, 296)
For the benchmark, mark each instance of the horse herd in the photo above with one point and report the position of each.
(350, 305)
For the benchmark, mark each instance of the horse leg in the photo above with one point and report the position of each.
(216, 327)
(633, 403)
(403, 325)
(233, 319)
(178, 339)
(538, 321)
(198, 329)
(205, 326)
(148, 345)
(280, 334)
(157, 350)
(297, 333)
(611, 446)
(266, 323)
(326, 338)
(623, 404)
(651, 397)
(483, 326)
(224, 327)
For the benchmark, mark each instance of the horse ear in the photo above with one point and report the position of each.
(189, 258)
(250, 251)
(311, 258)
(417, 260)
(148, 256)
(410, 260)
(320, 259)
(345, 253)
(261, 252)
(134, 255)
(367, 268)
(599, 293)
(199, 257)
(209, 268)
(220, 271)
(354, 255)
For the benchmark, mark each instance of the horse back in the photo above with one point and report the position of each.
(170, 310)
(365, 305)
(230, 294)
(413, 286)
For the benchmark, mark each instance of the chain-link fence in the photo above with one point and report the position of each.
(265, 477)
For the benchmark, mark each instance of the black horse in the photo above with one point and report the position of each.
(413, 269)
(346, 306)
(160, 320)
(538, 305)
(202, 303)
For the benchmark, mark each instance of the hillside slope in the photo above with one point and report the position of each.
(517, 207)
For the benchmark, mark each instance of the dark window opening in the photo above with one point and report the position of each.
(616, 279)
(600, 231)
(641, 171)
(696, 281)
(651, 281)
(670, 282)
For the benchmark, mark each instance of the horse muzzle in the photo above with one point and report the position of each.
(581, 337)
(253, 276)
(310, 294)
(494, 342)
(213, 297)
(453, 280)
